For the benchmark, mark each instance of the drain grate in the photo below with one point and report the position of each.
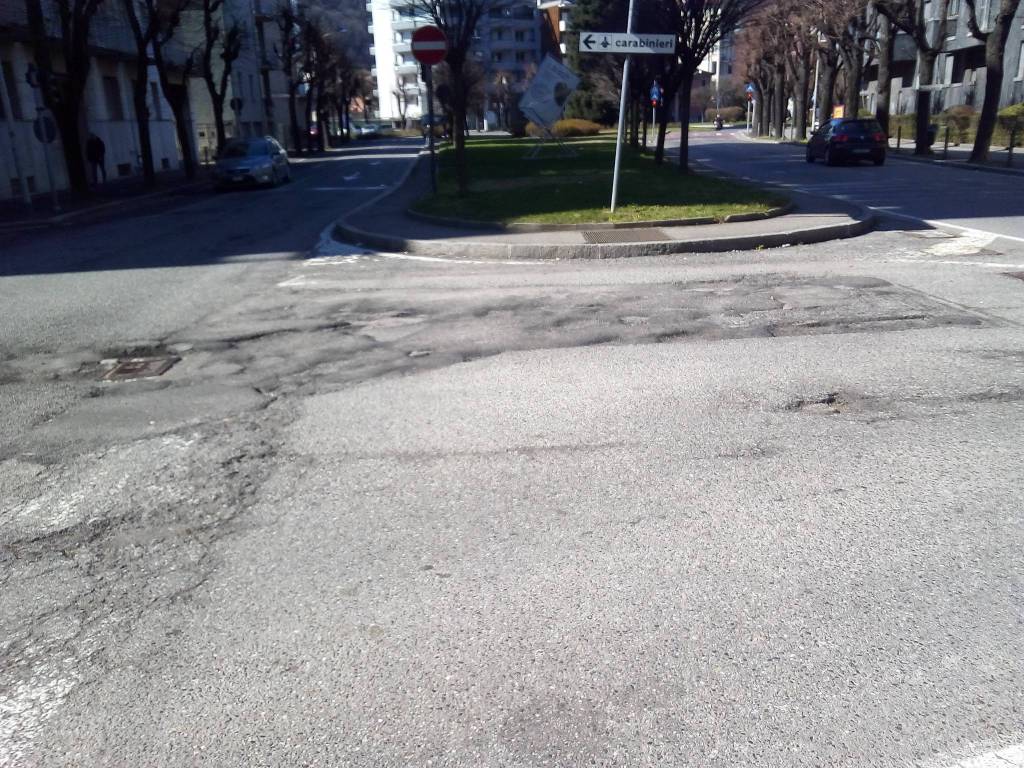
(638, 235)
(139, 368)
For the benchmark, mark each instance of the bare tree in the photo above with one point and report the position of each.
(402, 94)
(145, 23)
(886, 44)
(221, 39)
(698, 25)
(289, 23)
(458, 20)
(929, 34)
(62, 94)
(995, 51)
(174, 94)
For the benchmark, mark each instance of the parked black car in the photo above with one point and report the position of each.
(848, 139)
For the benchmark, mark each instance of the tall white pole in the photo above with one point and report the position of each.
(622, 115)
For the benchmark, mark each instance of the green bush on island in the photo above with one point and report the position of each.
(567, 129)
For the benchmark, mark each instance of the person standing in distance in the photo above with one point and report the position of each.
(95, 151)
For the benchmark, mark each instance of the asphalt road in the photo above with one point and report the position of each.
(909, 192)
(146, 275)
(756, 509)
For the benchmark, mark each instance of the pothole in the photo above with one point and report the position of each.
(140, 368)
(829, 403)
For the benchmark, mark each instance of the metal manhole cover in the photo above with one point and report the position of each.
(639, 235)
(140, 368)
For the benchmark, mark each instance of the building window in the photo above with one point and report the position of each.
(496, 56)
(520, 36)
(12, 91)
(520, 55)
(1020, 63)
(112, 94)
(954, 9)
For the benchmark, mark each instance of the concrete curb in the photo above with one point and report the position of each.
(597, 225)
(863, 221)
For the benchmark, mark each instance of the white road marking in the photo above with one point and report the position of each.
(965, 244)
(352, 176)
(1007, 757)
(347, 189)
(954, 263)
(411, 257)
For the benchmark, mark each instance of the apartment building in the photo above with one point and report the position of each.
(107, 106)
(507, 47)
(959, 77)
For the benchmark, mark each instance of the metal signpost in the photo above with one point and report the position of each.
(430, 46)
(5, 102)
(629, 44)
(44, 128)
(750, 102)
(656, 96)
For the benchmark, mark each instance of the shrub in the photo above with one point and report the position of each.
(959, 119)
(729, 114)
(1011, 118)
(567, 129)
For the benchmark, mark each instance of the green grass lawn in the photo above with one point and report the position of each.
(505, 187)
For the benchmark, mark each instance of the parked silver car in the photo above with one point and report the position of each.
(251, 161)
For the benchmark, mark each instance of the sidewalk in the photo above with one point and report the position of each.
(956, 156)
(117, 193)
(383, 223)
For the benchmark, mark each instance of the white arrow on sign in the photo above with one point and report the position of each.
(626, 43)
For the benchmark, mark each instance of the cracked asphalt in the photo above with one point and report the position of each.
(740, 509)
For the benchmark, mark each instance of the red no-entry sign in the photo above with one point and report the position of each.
(429, 46)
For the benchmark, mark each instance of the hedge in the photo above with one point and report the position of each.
(569, 128)
(729, 114)
(963, 125)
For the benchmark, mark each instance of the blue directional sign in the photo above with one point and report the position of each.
(750, 87)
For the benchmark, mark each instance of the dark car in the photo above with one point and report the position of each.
(251, 161)
(848, 139)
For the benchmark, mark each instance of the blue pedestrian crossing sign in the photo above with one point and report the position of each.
(656, 93)
(750, 87)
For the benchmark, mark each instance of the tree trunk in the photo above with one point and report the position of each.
(995, 50)
(309, 119)
(217, 102)
(765, 121)
(756, 126)
(685, 95)
(800, 66)
(139, 88)
(778, 101)
(853, 64)
(293, 115)
(827, 67)
(66, 112)
(179, 108)
(459, 127)
(925, 74)
(885, 53)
